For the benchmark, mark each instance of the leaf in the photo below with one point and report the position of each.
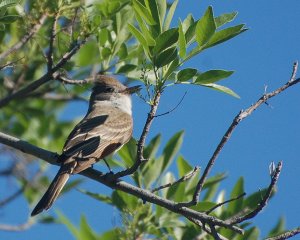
(153, 8)
(162, 8)
(165, 40)
(225, 18)
(139, 36)
(146, 32)
(236, 205)
(254, 199)
(64, 220)
(8, 3)
(151, 149)
(214, 180)
(212, 76)
(124, 201)
(170, 15)
(221, 89)
(152, 170)
(172, 67)
(71, 184)
(142, 11)
(97, 196)
(225, 34)
(128, 152)
(206, 27)
(186, 74)
(166, 57)
(183, 166)
(203, 206)
(86, 232)
(123, 53)
(278, 228)
(126, 68)
(171, 148)
(181, 41)
(9, 19)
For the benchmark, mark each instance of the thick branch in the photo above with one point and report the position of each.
(51, 158)
(25, 39)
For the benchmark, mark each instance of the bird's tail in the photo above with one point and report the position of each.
(52, 193)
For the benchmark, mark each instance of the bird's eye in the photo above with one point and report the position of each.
(109, 89)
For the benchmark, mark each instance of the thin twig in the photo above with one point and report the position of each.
(49, 55)
(44, 79)
(33, 30)
(10, 63)
(73, 81)
(285, 235)
(142, 140)
(263, 202)
(17, 228)
(239, 117)
(12, 197)
(165, 113)
(180, 180)
(227, 201)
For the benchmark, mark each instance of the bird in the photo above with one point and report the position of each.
(105, 128)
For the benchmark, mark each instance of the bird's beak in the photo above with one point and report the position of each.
(134, 89)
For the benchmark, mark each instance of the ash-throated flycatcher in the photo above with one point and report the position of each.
(106, 127)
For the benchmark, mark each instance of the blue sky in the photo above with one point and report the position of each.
(261, 56)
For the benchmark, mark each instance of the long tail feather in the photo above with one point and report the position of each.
(52, 193)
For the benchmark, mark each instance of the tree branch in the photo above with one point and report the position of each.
(95, 175)
(142, 140)
(239, 117)
(263, 202)
(44, 79)
(33, 30)
(182, 179)
(286, 235)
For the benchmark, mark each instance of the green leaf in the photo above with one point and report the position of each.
(151, 149)
(72, 228)
(189, 26)
(9, 19)
(142, 11)
(225, 18)
(214, 180)
(172, 148)
(206, 27)
(181, 41)
(171, 68)
(8, 3)
(162, 8)
(153, 8)
(221, 89)
(123, 53)
(128, 152)
(151, 171)
(203, 206)
(166, 57)
(124, 201)
(212, 76)
(236, 206)
(225, 34)
(126, 68)
(145, 31)
(139, 36)
(186, 74)
(278, 228)
(97, 196)
(183, 166)
(165, 40)
(86, 231)
(71, 184)
(170, 15)
(254, 199)
(2, 27)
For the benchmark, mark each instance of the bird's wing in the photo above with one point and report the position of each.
(98, 136)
